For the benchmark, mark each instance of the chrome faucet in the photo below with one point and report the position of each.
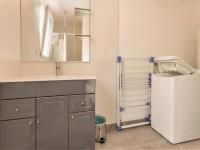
(58, 69)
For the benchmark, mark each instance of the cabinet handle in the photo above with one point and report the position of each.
(30, 127)
(17, 109)
(38, 121)
(72, 117)
(30, 123)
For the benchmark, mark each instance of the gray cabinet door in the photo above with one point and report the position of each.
(82, 131)
(52, 123)
(17, 134)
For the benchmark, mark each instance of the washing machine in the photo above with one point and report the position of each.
(175, 100)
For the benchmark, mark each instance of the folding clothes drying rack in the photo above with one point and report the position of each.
(134, 91)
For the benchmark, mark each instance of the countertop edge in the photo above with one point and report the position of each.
(45, 79)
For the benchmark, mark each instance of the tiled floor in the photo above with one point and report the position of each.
(142, 138)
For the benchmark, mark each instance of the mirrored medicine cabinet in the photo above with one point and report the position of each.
(55, 30)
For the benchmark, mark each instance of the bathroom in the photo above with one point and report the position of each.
(128, 28)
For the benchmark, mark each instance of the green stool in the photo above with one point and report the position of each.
(100, 122)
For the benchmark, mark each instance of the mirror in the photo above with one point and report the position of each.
(55, 30)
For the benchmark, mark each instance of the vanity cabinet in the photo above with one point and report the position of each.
(17, 134)
(81, 122)
(17, 124)
(81, 131)
(52, 123)
(48, 115)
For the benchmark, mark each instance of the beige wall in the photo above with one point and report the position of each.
(159, 27)
(9, 38)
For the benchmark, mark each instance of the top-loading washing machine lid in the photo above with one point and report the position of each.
(174, 65)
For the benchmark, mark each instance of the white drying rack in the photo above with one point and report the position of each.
(134, 91)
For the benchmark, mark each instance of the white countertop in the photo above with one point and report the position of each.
(46, 78)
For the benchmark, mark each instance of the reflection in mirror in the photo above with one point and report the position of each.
(82, 22)
(80, 46)
(59, 47)
(55, 30)
(48, 34)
